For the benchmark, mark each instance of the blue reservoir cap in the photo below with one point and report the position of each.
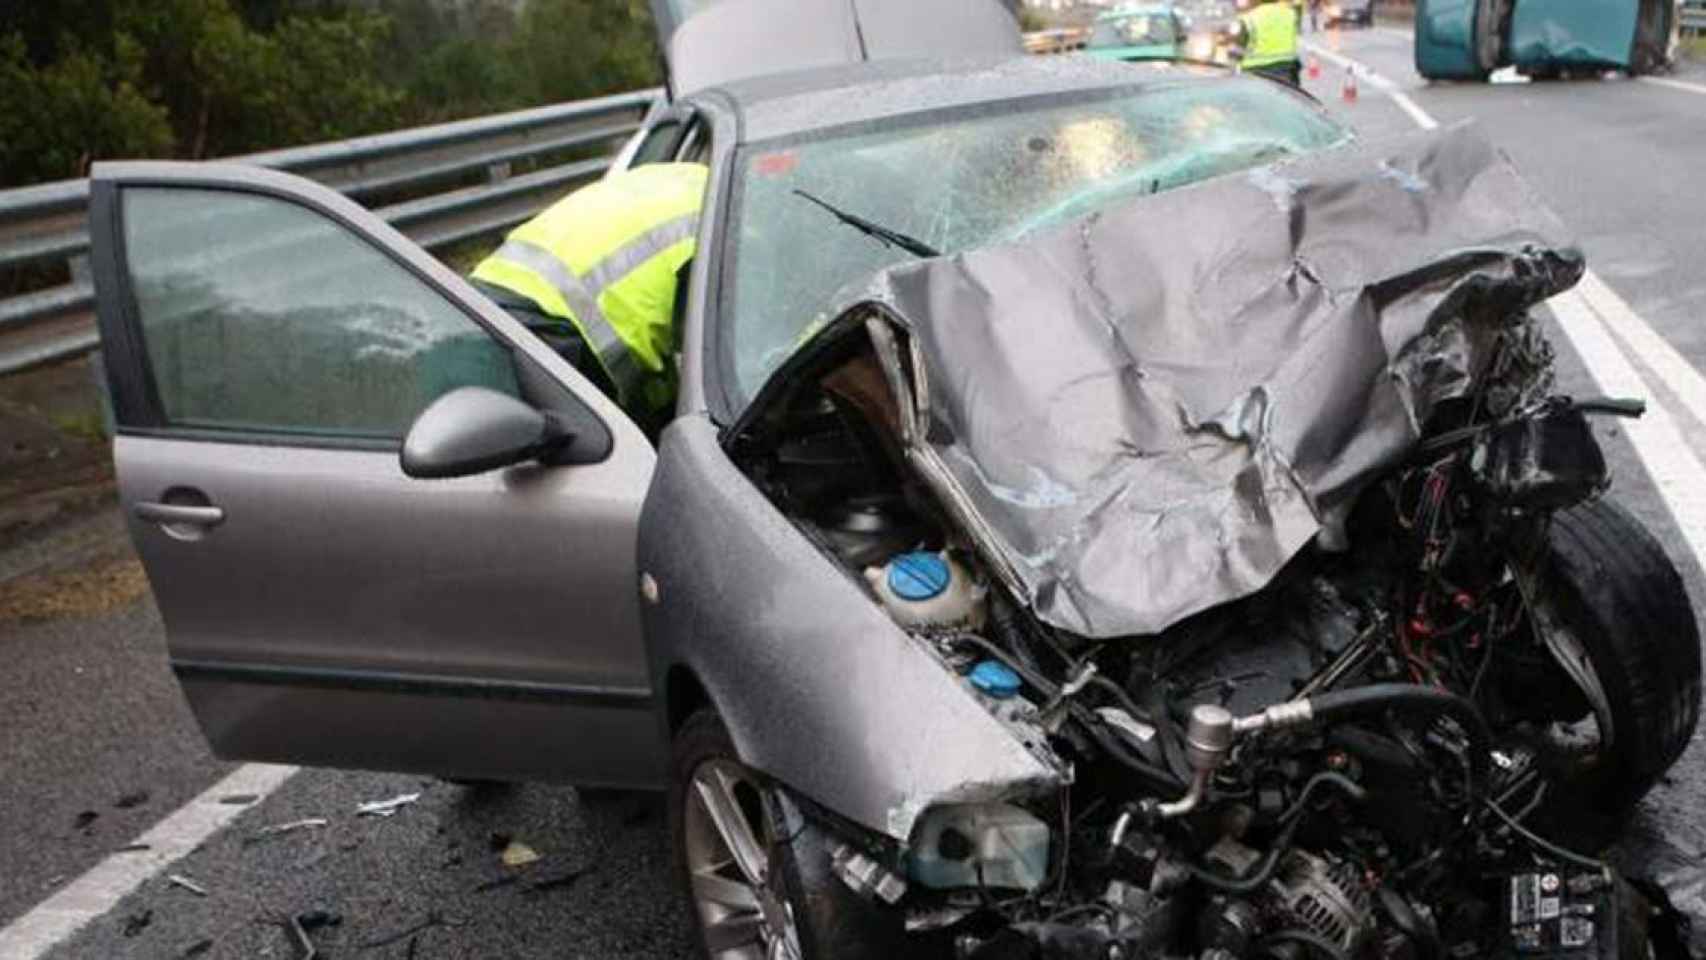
(918, 576)
(995, 679)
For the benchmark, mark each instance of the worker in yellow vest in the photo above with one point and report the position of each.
(596, 276)
(1268, 33)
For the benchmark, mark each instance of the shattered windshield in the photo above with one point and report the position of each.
(971, 177)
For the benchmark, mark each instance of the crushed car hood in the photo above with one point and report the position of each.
(1148, 412)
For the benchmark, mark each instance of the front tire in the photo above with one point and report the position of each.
(1616, 605)
(756, 869)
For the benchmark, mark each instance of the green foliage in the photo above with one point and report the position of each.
(207, 78)
(54, 119)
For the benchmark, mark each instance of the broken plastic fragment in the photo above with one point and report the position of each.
(385, 808)
(179, 880)
(518, 854)
(291, 827)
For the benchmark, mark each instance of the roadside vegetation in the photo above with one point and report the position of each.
(193, 79)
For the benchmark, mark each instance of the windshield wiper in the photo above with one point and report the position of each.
(889, 238)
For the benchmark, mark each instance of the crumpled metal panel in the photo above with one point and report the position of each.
(1153, 409)
(1573, 33)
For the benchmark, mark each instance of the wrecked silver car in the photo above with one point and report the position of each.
(1108, 513)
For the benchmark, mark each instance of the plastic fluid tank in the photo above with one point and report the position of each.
(922, 589)
(950, 843)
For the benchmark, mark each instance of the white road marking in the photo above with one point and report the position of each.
(1647, 346)
(1674, 84)
(96, 892)
(1665, 454)
(1417, 114)
(1595, 318)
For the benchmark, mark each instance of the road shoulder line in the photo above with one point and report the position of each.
(1674, 84)
(99, 889)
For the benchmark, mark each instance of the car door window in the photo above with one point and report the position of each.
(659, 144)
(259, 315)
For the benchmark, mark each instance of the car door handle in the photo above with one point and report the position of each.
(197, 516)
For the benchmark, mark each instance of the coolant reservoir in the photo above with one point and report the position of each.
(953, 845)
(922, 589)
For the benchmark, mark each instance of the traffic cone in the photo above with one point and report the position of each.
(1348, 92)
(1314, 67)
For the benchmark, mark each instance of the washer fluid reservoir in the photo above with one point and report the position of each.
(922, 589)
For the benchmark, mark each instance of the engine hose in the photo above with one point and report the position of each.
(1282, 843)
(1254, 881)
(1160, 780)
(1340, 705)
(1350, 787)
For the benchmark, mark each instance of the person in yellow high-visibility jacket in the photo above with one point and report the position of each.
(595, 275)
(1268, 32)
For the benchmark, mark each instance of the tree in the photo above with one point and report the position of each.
(54, 120)
(206, 78)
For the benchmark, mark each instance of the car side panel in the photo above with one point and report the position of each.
(817, 685)
(1445, 39)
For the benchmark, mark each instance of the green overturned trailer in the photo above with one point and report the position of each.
(1469, 39)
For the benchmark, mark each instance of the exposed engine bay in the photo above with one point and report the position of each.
(1339, 650)
(1299, 773)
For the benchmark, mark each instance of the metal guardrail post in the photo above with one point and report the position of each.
(46, 224)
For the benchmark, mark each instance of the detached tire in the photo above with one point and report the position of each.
(1609, 585)
(829, 921)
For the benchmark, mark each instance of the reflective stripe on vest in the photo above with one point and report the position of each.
(1273, 34)
(632, 255)
(619, 362)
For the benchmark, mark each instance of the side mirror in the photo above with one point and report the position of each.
(472, 429)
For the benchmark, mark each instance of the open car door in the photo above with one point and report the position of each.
(267, 345)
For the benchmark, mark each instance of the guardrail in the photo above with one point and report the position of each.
(1693, 18)
(47, 225)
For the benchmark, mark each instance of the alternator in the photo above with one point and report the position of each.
(1327, 898)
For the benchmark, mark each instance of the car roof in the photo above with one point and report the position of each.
(728, 40)
(788, 104)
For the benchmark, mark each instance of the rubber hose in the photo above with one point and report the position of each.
(1160, 780)
(1363, 701)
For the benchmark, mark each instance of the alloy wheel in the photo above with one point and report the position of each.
(736, 886)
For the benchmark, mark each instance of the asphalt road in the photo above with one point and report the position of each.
(94, 725)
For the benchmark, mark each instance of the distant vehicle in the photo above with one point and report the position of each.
(1469, 39)
(1145, 32)
(1336, 13)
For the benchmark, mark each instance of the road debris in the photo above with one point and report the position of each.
(300, 925)
(562, 880)
(239, 799)
(137, 922)
(433, 919)
(84, 820)
(518, 854)
(133, 799)
(504, 881)
(196, 949)
(134, 848)
(385, 808)
(179, 880)
(279, 829)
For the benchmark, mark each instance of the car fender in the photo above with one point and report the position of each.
(816, 684)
